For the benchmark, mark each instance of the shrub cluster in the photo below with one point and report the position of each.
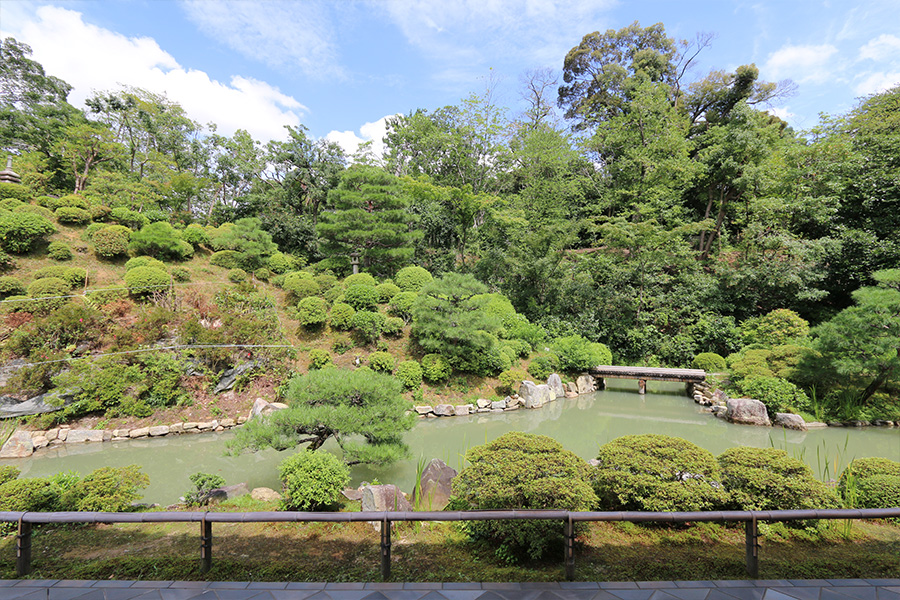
(709, 362)
(361, 296)
(107, 489)
(368, 324)
(578, 354)
(71, 215)
(871, 483)
(143, 281)
(22, 231)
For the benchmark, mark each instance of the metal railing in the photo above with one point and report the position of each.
(25, 520)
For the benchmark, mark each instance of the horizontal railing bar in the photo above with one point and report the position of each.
(473, 515)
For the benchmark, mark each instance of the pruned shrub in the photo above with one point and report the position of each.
(69, 200)
(393, 326)
(6, 262)
(436, 368)
(657, 473)
(108, 489)
(312, 480)
(204, 483)
(48, 294)
(8, 473)
(319, 359)
(511, 379)
(769, 479)
(160, 239)
(71, 215)
(143, 281)
(263, 273)
(31, 494)
(144, 261)
(22, 231)
(14, 190)
(50, 271)
(775, 328)
(326, 281)
(127, 217)
(709, 362)
(111, 241)
(779, 395)
(75, 276)
(410, 373)
(871, 483)
(100, 213)
(521, 471)
(341, 317)
(360, 279)
(386, 291)
(542, 366)
(10, 203)
(368, 324)
(11, 286)
(195, 235)
(361, 296)
(181, 275)
(280, 263)
(312, 312)
(578, 354)
(383, 362)
(237, 275)
(400, 305)
(59, 251)
(516, 348)
(412, 279)
(227, 259)
(34, 209)
(518, 327)
(300, 285)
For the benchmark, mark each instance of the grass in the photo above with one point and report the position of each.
(441, 552)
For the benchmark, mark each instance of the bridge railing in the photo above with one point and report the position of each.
(205, 519)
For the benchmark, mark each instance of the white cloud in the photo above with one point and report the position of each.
(280, 34)
(91, 58)
(884, 47)
(373, 132)
(804, 64)
(875, 83)
(782, 113)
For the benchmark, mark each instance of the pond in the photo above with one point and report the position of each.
(581, 424)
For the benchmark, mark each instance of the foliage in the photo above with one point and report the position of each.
(435, 368)
(30, 495)
(709, 362)
(319, 359)
(143, 281)
(360, 279)
(100, 213)
(362, 410)
(878, 491)
(49, 294)
(393, 326)
(410, 373)
(248, 239)
(20, 232)
(578, 354)
(50, 271)
(870, 483)
(195, 235)
(59, 251)
(108, 489)
(299, 288)
(75, 276)
(401, 305)
(204, 483)
(227, 259)
(382, 362)
(237, 275)
(144, 261)
(778, 395)
(510, 380)
(522, 472)
(111, 241)
(279, 263)
(412, 279)
(181, 274)
(71, 215)
(361, 297)
(341, 316)
(657, 473)
(769, 479)
(11, 286)
(8, 473)
(312, 480)
(160, 240)
(367, 324)
(775, 328)
(543, 365)
(520, 329)
(312, 312)
(386, 291)
(127, 218)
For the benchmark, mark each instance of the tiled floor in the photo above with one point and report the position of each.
(794, 589)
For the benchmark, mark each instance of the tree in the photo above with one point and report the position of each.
(247, 237)
(368, 218)
(363, 411)
(863, 341)
(85, 146)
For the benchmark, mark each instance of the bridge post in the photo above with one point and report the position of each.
(600, 383)
(642, 386)
(689, 389)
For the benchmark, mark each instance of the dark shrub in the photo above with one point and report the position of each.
(779, 395)
(382, 362)
(108, 489)
(160, 240)
(127, 217)
(319, 359)
(49, 294)
(435, 368)
(578, 354)
(360, 279)
(386, 291)
(368, 324)
(11, 286)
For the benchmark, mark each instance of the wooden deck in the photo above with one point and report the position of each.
(642, 374)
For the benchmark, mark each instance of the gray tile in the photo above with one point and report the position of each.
(745, 593)
(773, 594)
(770, 583)
(36, 583)
(350, 585)
(349, 594)
(121, 593)
(433, 596)
(232, 594)
(662, 595)
(180, 593)
(578, 585)
(152, 584)
(564, 595)
(809, 582)
(149, 595)
(632, 594)
(604, 595)
(655, 585)
(93, 594)
(697, 593)
(375, 596)
(24, 593)
(847, 582)
(460, 593)
(501, 585)
(695, 584)
(727, 583)
(860, 592)
(264, 595)
(306, 585)
(886, 594)
(461, 585)
(114, 583)
(719, 594)
(383, 585)
(800, 592)
(267, 585)
(5, 583)
(70, 583)
(890, 582)
(618, 585)
(422, 585)
(490, 596)
(64, 593)
(227, 585)
(290, 594)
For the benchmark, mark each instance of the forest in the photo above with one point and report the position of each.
(634, 205)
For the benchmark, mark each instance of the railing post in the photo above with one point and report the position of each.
(205, 545)
(385, 549)
(23, 549)
(752, 543)
(570, 549)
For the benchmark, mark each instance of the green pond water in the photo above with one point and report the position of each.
(581, 424)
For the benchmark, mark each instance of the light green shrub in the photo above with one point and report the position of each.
(111, 241)
(400, 305)
(127, 217)
(360, 279)
(393, 326)
(577, 354)
(59, 251)
(107, 489)
(11, 286)
(779, 395)
(143, 281)
(382, 362)
(70, 215)
(542, 366)
(319, 359)
(237, 275)
(435, 368)
(361, 296)
(181, 274)
(312, 480)
(775, 328)
(341, 317)
(75, 276)
(195, 235)
(410, 373)
(312, 312)
(511, 379)
(22, 231)
(48, 294)
(144, 261)
(227, 259)
(368, 324)
(412, 279)
(386, 291)
(709, 362)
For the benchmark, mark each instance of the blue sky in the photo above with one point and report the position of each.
(340, 67)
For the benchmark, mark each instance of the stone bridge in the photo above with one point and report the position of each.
(642, 374)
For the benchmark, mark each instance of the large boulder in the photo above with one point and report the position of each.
(382, 498)
(445, 410)
(264, 494)
(19, 445)
(585, 384)
(535, 396)
(227, 492)
(77, 436)
(789, 421)
(747, 411)
(556, 384)
(230, 376)
(434, 486)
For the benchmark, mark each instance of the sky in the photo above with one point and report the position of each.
(341, 67)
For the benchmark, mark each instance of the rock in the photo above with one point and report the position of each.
(424, 409)
(483, 403)
(513, 401)
(207, 426)
(176, 428)
(258, 405)
(63, 434)
(501, 404)
(594, 462)
(120, 433)
(139, 432)
(461, 410)
(227, 423)
(77, 436)
(856, 423)
(378, 498)
(535, 396)
(816, 425)
(882, 423)
(571, 388)
(555, 383)
(241, 420)
(483, 410)
(444, 410)
(354, 495)
(790, 421)
(272, 407)
(107, 435)
(225, 493)
(52, 434)
(435, 486)
(229, 377)
(571, 394)
(585, 384)
(747, 411)
(719, 397)
(189, 425)
(40, 442)
(158, 430)
(19, 445)
(264, 494)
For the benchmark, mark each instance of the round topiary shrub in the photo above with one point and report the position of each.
(195, 235)
(263, 273)
(279, 263)
(410, 373)
(400, 305)
(775, 328)
(319, 359)
(22, 231)
(11, 286)
(326, 281)
(30, 495)
(10, 203)
(50, 271)
(100, 213)
(59, 251)
(382, 362)
(518, 348)
(779, 395)
(709, 362)
(511, 379)
(48, 294)
(360, 279)
(312, 312)
(657, 473)
(144, 261)
(162, 240)
(312, 480)
(341, 317)
(368, 324)
(860, 482)
(69, 200)
(75, 276)
(412, 279)
(299, 287)
(393, 326)
(107, 489)
(361, 297)
(435, 368)
(386, 291)
(69, 215)
(111, 241)
(34, 209)
(181, 275)
(237, 275)
(143, 281)
(227, 259)
(542, 366)
(127, 217)
(521, 471)
(578, 354)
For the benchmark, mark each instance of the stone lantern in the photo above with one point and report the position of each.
(354, 261)
(8, 175)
